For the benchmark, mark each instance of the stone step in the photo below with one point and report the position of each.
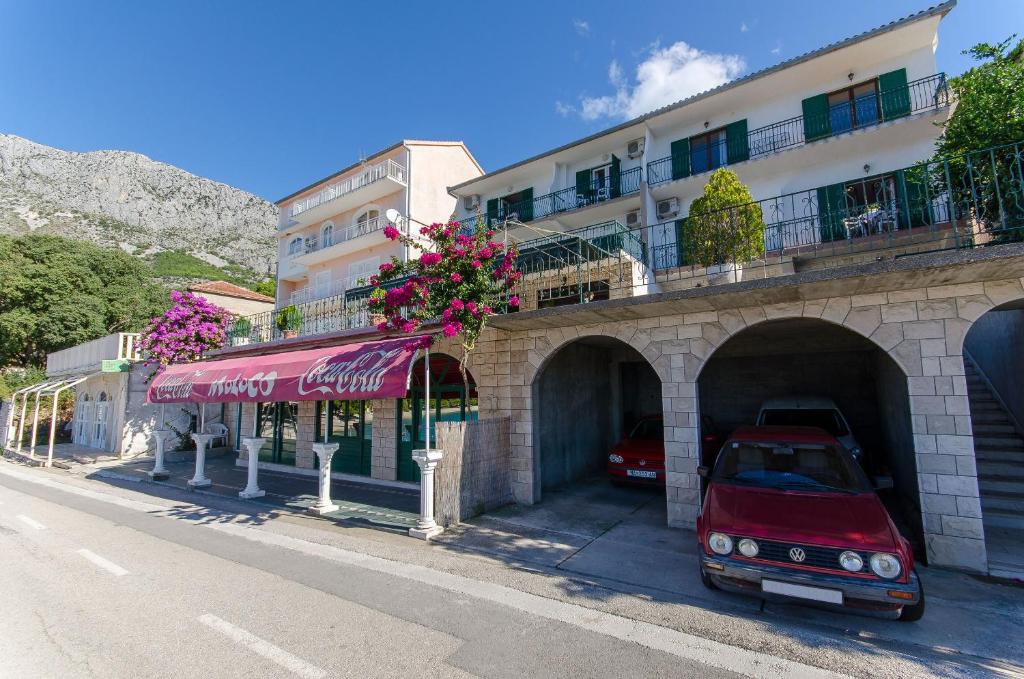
(994, 455)
(1002, 502)
(989, 429)
(1003, 518)
(998, 443)
(1010, 486)
(990, 417)
(984, 405)
(1008, 468)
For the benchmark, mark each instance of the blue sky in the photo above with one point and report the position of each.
(272, 96)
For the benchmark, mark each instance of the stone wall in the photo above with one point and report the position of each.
(384, 452)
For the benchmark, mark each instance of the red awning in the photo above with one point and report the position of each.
(354, 371)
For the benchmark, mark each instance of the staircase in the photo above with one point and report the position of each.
(999, 451)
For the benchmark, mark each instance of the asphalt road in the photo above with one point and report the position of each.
(94, 588)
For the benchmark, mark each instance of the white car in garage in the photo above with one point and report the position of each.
(810, 411)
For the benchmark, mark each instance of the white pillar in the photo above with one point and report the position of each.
(426, 527)
(200, 480)
(159, 471)
(324, 451)
(21, 422)
(252, 449)
(35, 428)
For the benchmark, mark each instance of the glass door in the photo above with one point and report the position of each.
(350, 425)
(278, 425)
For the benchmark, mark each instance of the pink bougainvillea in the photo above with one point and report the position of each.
(460, 277)
(185, 331)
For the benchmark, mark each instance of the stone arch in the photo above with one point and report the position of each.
(550, 342)
(972, 307)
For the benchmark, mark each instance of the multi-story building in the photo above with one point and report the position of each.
(856, 274)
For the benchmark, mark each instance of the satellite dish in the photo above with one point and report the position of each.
(393, 215)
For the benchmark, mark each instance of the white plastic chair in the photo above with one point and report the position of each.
(219, 430)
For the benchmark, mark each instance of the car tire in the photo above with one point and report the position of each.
(706, 580)
(915, 612)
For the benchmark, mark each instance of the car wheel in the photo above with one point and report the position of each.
(705, 579)
(915, 612)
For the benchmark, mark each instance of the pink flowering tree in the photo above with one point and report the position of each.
(460, 278)
(191, 327)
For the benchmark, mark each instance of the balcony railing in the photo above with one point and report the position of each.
(336, 236)
(571, 198)
(967, 201)
(120, 346)
(387, 169)
(929, 93)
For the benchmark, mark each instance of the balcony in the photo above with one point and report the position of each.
(369, 184)
(107, 354)
(570, 199)
(968, 201)
(337, 241)
(926, 94)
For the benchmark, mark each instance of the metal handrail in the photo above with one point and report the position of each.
(570, 198)
(368, 175)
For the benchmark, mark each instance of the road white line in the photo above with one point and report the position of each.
(264, 648)
(30, 522)
(106, 565)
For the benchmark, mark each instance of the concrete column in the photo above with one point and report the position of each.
(252, 449)
(35, 429)
(200, 480)
(426, 527)
(324, 451)
(159, 471)
(21, 422)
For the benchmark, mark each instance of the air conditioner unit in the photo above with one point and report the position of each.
(635, 148)
(470, 203)
(668, 208)
(633, 219)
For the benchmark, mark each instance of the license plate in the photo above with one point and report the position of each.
(829, 596)
(642, 473)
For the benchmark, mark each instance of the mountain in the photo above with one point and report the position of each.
(126, 200)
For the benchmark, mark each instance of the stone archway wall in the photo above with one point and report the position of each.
(922, 329)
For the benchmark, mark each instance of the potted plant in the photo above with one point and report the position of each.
(377, 298)
(289, 320)
(241, 332)
(725, 229)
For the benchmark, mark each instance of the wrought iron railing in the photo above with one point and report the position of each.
(387, 169)
(919, 95)
(332, 236)
(972, 200)
(571, 198)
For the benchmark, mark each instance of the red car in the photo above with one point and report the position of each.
(640, 457)
(790, 514)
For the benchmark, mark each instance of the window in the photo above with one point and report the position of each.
(791, 467)
(854, 107)
(359, 272)
(295, 246)
(327, 235)
(572, 294)
(708, 151)
(367, 221)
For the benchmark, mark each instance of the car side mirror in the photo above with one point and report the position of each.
(703, 471)
(883, 482)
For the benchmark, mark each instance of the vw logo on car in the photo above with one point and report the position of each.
(797, 554)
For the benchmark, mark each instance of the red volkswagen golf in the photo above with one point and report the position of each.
(790, 514)
(640, 457)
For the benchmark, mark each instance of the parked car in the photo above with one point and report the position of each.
(640, 456)
(710, 440)
(810, 411)
(789, 514)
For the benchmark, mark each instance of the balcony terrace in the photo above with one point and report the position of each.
(571, 199)
(108, 354)
(368, 184)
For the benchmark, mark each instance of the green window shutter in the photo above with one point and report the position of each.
(817, 124)
(892, 88)
(583, 188)
(680, 158)
(616, 177)
(736, 141)
(914, 203)
(684, 249)
(831, 211)
(525, 205)
(492, 210)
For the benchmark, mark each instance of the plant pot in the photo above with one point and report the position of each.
(729, 272)
(239, 341)
(377, 319)
(290, 334)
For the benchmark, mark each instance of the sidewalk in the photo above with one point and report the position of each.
(375, 506)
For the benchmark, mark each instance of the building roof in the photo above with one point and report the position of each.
(229, 290)
(936, 10)
(378, 154)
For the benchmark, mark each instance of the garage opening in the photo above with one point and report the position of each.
(992, 361)
(595, 396)
(795, 362)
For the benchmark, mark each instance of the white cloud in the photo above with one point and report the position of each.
(563, 109)
(777, 49)
(743, 27)
(665, 76)
(582, 27)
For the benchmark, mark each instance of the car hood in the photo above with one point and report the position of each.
(633, 449)
(829, 519)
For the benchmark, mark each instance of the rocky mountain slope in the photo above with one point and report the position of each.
(123, 199)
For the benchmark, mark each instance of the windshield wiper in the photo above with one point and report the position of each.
(814, 485)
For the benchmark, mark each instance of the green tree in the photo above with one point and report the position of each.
(267, 287)
(990, 101)
(724, 225)
(57, 293)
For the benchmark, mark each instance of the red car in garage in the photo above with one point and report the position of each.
(789, 514)
(640, 457)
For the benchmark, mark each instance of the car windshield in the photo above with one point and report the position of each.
(648, 430)
(823, 418)
(789, 467)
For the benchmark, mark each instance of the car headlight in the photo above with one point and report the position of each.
(617, 459)
(720, 543)
(851, 561)
(885, 565)
(747, 547)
